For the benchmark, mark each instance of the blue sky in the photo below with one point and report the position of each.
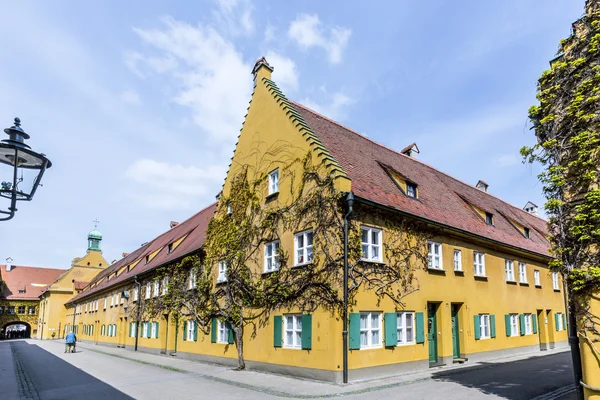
(138, 103)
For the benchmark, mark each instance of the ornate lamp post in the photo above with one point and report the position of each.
(19, 156)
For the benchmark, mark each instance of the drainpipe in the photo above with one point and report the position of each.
(139, 312)
(573, 340)
(350, 202)
(42, 322)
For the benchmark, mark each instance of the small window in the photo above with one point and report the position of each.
(222, 332)
(21, 291)
(274, 182)
(555, 281)
(170, 247)
(21, 310)
(222, 272)
(192, 278)
(271, 256)
(165, 285)
(11, 310)
(479, 263)
(526, 232)
(559, 322)
(293, 332)
(509, 268)
(303, 246)
(514, 324)
(191, 330)
(136, 295)
(370, 330)
(411, 190)
(156, 291)
(229, 209)
(371, 244)
(435, 255)
(1, 310)
(147, 259)
(522, 273)
(148, 290)
(406, 331)
(457, 260)
(536, 278)
(489, 218)
(528, 324)
(153, 330)
(484, 326)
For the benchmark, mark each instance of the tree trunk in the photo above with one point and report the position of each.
(239, 342)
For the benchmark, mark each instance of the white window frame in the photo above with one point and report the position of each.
(479, 263)
(303, 255)
(292, 323)
(522, 272)
(190, 330)
(458, 260)
(272, 259)
(555, 283)
(528, 324)
(485, 329)
(560, 326)
(405, 338)
(112, 300)
(222, 277)
(514, 325)
(411, 193)
(136, 293)
(222, 332)
(156, 289)
(536, 277)
(153, 330)
(148, 290)
(369, 331)
(509, 270)
(165, 285)
(274, 182)
(369, 245)
(192, 283)
(434, 255)
(132, 330)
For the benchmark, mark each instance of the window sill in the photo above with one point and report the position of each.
(272, 196)
(511, 282)
(306, 264)
(270, 272)
(373, 261)
(459, 272)
(436, 271)
(405, 344)
(523, 283)
(371, 348)
(480, 277)
(291, 348)
(557, 290)
(538, 286)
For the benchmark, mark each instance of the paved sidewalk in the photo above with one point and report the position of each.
(9, 388)
(285, 386)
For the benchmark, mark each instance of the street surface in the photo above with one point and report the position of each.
(42, 371)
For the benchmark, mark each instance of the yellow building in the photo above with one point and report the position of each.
(52, 300)
(486, 293)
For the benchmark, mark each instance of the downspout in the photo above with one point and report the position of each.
(139, 311)
(42, 322)
(349, 202)
(573, 341)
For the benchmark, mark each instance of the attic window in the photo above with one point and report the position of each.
(21, 291)
(170, 247)
(411, 190)
(489, 218)
(526, 232)
(229, 209)
(147, 259)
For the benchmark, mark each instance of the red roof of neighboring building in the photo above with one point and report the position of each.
(195, 229)
(31, 280)
(79, 285)
(441, 199)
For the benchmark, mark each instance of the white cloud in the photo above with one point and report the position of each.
(131, 97)
(284, 71)
(334, 107)
(269, 33)
(508, 160)
(234, 16)
(167, 186)
(211, 77)
(306, 30)
(144, 66)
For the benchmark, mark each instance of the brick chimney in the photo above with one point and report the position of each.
(262, 69)
(173, 224)
(9, 264)
(481, 185)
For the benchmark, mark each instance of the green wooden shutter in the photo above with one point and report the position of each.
(522, 323)
(420, 322)
(507, 325)
(477, 326)
(185, 329)
(534, 322)
(229, 334)
(391, 329)
(130, 329)
(556, 316)
(156, 324)
(354, 331)
(195, 330)
(277, 330)
(493, 325)
(213, 330)
(564, 317)
(307, 331)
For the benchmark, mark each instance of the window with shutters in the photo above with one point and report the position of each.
(133, 329)
(370, 330)
(484, 326)
(371, 244)
(303, 247)
(509, 269)
(153, 330)
(434, 256)
(191, 330)
(555, 281)
(457, 260)
(559, 322)
(293, 331)
(271, 256)
(479, 263)
(222, 332)
(514, 324)
(528, 324)
(522, 272)
(148, 290)
(406, 330)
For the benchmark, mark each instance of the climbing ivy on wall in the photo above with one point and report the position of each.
(567, 125)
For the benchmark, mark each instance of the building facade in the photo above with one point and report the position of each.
(485, 293)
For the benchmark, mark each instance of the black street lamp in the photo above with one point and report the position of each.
(15, 153)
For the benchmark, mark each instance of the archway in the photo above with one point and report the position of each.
(16, 330)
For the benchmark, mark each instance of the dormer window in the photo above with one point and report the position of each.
(170, 247)
(229, 209)
(147, 259)
(274, 182)
(411, 190)
(489, 218)
(526, 232)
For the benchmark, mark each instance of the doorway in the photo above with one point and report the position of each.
(455, 331)
(432, 332)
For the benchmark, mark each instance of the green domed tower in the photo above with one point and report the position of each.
(94, 239)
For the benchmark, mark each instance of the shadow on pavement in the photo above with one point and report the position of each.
(516, 380)
(54, 378)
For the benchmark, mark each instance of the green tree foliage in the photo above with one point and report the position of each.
(567, 126)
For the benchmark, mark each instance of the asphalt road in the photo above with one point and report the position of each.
(90, 375)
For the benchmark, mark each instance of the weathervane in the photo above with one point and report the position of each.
(96, 222)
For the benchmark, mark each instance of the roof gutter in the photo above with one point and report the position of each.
(451, 228)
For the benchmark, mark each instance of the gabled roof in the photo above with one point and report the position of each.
(441, 197)
(194, 231)
(32, 280)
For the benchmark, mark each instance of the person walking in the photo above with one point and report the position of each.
(70, 342)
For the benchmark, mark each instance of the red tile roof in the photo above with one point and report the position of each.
(195, 229)
(30, 279)
(442, 198)
(79, 285)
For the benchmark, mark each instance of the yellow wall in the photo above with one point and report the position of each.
(590, 359)
(31, 319)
